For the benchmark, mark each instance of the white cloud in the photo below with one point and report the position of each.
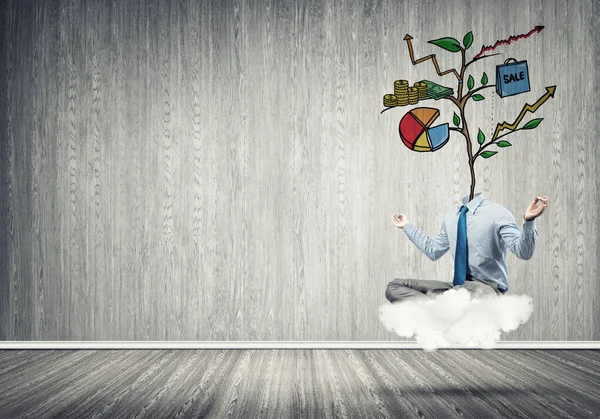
(455, 318)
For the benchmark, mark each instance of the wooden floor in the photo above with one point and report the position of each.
(299, 383)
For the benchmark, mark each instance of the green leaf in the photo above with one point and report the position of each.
(449, 44)
(533, 123)
(470, 83)
(503, 144)
(468, 40)
(456, 119)
(477, 97)
(488, 154)
(480, 137)
(484, 79)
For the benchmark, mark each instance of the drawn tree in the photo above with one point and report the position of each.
(473, 93)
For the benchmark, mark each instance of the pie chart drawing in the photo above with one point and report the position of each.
(417, 133)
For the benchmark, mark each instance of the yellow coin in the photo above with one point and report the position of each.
(389, 100)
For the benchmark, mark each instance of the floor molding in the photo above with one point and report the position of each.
(278, 345)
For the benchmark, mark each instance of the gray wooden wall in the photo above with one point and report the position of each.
(221, 170)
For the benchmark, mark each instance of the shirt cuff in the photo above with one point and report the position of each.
(529, 226)
(409, 228)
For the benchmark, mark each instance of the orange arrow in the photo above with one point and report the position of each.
(431, 57)
(527, 108)
(408, 39)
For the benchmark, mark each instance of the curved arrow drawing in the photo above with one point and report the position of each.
(431, 57)
(527, 108)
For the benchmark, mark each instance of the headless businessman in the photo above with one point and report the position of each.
(477, 234)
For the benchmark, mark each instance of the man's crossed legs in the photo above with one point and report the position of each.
(403, 289)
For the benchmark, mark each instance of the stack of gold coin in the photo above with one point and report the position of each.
(413, 96)
(401, 92)
(422, 89)
(390, 100)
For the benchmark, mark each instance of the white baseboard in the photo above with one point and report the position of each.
(278, 345)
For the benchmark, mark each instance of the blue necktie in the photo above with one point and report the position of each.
(460, 257)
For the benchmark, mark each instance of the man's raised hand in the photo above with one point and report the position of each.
(399, 220)
(536, 208)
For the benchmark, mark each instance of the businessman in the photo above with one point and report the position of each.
(477, 234)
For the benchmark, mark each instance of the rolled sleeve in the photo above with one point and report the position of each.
(432, 248)
(409, 229)
(520, 242)
(529, 227)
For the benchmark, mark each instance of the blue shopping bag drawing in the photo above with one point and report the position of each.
(512, 78)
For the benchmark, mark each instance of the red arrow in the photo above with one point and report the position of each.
(484, 49)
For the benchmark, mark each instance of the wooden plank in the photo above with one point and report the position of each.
(292, 383)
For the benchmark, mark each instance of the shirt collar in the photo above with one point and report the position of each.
(472, 205)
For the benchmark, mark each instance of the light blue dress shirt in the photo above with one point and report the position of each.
(491, 229)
